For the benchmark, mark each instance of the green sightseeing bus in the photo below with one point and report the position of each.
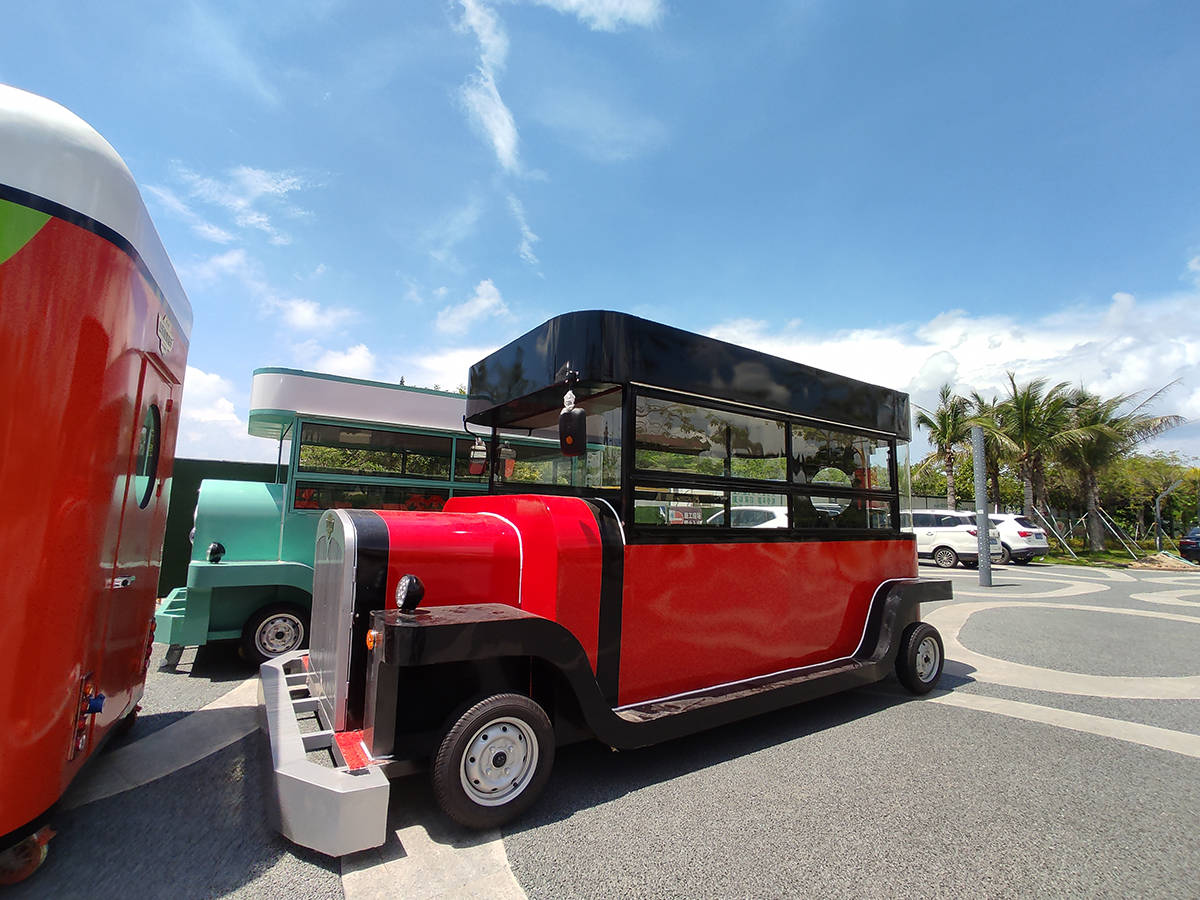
(354, 444)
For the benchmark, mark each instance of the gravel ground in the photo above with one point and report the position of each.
(1070, 640)
(875, 794)
(199, 832)
(866, 796)
(201, 676)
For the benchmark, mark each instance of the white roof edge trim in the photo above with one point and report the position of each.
(48, 151)
(310, 395)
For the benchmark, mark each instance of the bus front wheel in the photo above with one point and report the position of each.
(494, 761)
(273, 631)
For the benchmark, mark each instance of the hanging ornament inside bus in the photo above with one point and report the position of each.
(477, 462)
(508, 459)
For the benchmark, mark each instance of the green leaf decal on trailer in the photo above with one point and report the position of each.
(18, 225)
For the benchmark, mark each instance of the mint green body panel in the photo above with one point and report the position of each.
(268, 560)
(269, 546)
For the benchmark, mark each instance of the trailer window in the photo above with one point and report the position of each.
(696, 440)
(348, 450)
(146, 465)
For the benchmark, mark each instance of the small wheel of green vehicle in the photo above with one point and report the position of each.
(945, 557)
(273, 631)
(921, 658)
(494, 761)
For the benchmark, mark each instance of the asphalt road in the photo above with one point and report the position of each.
(1017, 780)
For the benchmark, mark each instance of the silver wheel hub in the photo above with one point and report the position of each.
(279, 634)
(928, 658)
(499, 761)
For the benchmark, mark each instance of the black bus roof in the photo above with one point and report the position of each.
(601, 347)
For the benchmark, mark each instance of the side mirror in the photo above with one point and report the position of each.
(572, 431)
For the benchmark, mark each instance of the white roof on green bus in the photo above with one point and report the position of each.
(48, 151)
(278, 395)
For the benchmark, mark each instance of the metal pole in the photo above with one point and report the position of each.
(1116, 533)
(1050, 528)
(1158, 536)
(982, 524)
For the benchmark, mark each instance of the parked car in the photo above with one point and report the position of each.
(1021, 540)
(1189, 545)
(752, 517)
(949, 537)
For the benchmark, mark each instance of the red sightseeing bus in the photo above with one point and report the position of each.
(93, 342)
(703, 533)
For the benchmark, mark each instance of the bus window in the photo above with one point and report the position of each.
(543, 463)
(324, 495)
(689, 439)
(350, 450)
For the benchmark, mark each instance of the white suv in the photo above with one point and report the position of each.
(949, 537)
(1020, 539)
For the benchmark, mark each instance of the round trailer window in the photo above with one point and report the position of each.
(145, 469)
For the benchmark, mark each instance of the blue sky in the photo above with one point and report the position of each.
(903, 192)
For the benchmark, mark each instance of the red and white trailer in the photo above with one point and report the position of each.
(94, 329)
(706, 533)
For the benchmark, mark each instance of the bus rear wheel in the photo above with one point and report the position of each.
(494, 761)
(921, 658)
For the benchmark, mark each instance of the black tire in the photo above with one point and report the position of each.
(921, 659)
(945, 557)
(273, 631)
(494, 761)
(1005, 554)
(125, 723)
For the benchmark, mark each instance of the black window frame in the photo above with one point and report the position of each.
(634, 479)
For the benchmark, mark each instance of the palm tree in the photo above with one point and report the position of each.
(1110, 435)
(1035, 422)
(948, 429)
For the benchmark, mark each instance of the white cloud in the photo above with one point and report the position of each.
(528, 238)
(599, 127)
(609, 15)
(490, 115)
(353, 362)
(447, 368)
(298, 313)
(486, 303)
(480, 95)
(1127, 346)
(451, 230)
(241, 192)
(209, 425)
(308, 315)
(199, 225)
(214, 41)
(488, 30)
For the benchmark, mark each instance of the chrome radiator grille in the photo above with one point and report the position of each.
(332, 615)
